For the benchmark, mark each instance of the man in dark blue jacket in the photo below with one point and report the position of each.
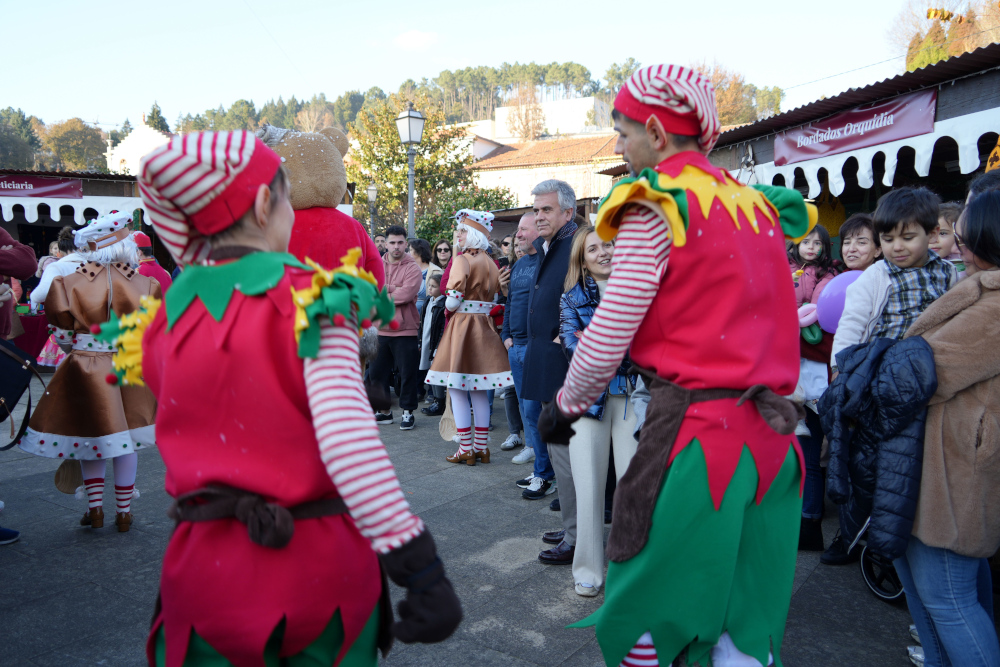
(545, 365)
(515, 339)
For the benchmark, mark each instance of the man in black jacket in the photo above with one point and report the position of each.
(545, 365)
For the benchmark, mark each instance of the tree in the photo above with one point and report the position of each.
(316, 114)
(75, 145)
(737, 101)
(526, 118)
(155, 119)
(21, 125)
(15, 152)
(932, 49)
(437, 221)
(618, 74)
(240, 116)
(347, 106)
(442, 161)
(116, 135)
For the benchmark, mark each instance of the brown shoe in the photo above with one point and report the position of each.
(123, 520)
(484, 456)
(93, 518)
(458, 457)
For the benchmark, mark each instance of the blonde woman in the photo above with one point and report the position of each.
(607, 426)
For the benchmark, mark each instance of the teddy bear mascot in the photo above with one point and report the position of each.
(286, 503)
(706, 519)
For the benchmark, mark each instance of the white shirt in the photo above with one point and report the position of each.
(64, 267)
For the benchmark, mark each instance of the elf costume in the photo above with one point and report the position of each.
(706, 518)
(80, 417)
(285, 498)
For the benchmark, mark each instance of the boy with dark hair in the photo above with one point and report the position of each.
(892, 293)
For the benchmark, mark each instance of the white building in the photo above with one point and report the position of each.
(561, 117)
(124, 158)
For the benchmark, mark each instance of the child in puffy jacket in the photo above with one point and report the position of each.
(812, 265)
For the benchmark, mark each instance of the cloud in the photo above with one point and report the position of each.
(415, 40)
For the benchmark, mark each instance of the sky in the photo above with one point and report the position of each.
(108, 61)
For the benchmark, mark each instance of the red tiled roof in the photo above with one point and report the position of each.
(550, 151)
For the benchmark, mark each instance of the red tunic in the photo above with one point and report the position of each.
(325, 235)
(152, 269)
(235, 412)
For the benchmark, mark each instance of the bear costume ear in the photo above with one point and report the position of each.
(338, 137)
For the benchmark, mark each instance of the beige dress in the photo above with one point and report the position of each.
(81, 416)
(471, 356)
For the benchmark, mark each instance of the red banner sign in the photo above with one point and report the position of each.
(40, 186)
(899, 118)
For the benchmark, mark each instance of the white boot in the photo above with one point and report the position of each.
(725, 654)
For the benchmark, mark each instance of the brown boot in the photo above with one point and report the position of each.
(458, 457)
(93, 518)
(484, 455)
(123, 520)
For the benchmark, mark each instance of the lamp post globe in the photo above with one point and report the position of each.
(372, 191)
(410, 125)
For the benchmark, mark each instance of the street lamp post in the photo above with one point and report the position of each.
(411, 130)
(372, 193)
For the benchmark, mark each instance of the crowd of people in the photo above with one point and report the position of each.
(705, 409)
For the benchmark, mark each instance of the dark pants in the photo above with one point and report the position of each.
(398, 352)
(812, 445)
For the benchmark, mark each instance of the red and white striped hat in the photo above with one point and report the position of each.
(682, 98)
(199, 184)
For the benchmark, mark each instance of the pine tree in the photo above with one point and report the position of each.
(932, 48)
(155, 119)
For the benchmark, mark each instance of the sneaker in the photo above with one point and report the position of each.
(433, 410)
(837, 554)
(512, 441)
(538, 489)
(8, 536)
(526, 455)
(526, 482)
(916, 654)
(554, 505)
(587, 590)
(383, 417)
(406, 423)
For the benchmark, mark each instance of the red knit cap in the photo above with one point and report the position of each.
(682, 98)
(142, 240)
(199, 184)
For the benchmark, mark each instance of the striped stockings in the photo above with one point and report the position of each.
(482, 434)
(464, 439)
(95, 492)
(123, 497)
(642, 654)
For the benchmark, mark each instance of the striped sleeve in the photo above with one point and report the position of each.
(349, 445)
(641, 251)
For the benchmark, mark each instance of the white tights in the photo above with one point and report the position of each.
(124, 467)
(460, 408)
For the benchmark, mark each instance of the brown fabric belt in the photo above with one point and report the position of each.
(268, 524)
(639, 488)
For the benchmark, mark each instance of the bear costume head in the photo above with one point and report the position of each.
(314, 162)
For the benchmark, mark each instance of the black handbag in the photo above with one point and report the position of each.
(16, 370)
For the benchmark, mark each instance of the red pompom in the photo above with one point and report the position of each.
(95, 329)
(111, 378)
(365, 323)
(394, 325)
(339, 320)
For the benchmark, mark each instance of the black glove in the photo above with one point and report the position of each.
(431, 610)
(554, 427)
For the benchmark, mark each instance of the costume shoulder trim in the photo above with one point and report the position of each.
(125, 335)
(345, 294)
(648, 189)
(797, 216)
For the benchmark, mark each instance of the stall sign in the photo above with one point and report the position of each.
(12, 185)
(899, 118)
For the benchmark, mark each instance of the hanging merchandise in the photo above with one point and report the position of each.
(993, 161)
(831, 211)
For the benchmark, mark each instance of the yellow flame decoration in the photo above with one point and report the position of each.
(128, 357)
(733, 196)
(304, 298)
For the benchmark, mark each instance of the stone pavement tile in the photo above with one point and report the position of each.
(71, 627)
(588, 656)
(455, 652)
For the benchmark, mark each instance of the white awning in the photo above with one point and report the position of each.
(103, 206)
(965, 130)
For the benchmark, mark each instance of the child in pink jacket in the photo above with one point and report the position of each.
(812, 265)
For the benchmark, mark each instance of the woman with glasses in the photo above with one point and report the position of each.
(442, 253)
(944, 571)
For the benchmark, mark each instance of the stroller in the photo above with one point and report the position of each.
(878, 572)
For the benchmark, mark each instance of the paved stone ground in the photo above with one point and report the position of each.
(73, 596)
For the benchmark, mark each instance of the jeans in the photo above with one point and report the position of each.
(951, 600)
(812, 445)
(512, 408)
(401, 352)
(530, 411)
